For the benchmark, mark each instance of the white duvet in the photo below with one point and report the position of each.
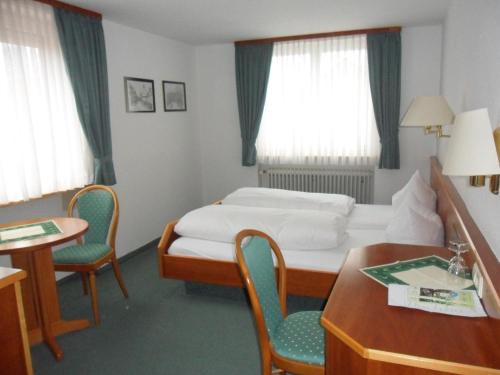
(292, 229)
(278, 198)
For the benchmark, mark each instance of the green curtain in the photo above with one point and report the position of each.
(82, 42)
(384, 63)
(253, 64)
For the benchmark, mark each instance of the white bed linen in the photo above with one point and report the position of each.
(279, 198)
(370, 216)
(322, 260)
(292, 229)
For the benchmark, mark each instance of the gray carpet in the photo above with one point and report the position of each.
(163, 328)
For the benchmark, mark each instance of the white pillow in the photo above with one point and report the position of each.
(415, 224)
(421, 189)
(279, 198)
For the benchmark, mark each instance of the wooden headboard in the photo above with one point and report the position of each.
(460, 225)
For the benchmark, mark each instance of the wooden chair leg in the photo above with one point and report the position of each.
(118, 275)
(267, 366)
(93, 295)
(85, 283)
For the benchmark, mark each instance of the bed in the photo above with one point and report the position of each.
(196, 260)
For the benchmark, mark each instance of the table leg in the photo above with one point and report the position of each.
(42, 301)
(46, 297)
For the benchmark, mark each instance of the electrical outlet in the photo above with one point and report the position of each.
(478, 280)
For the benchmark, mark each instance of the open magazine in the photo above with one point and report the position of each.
(444, 301)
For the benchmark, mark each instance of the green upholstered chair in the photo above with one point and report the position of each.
(98, 205)
(293, 343)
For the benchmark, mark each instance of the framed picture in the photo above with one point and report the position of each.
(139, 94)
(174, 96)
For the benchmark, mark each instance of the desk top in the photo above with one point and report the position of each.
(71, 228)
(357, 313)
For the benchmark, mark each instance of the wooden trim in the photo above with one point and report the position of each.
(72, 8)
(22, 326)
(458, 222)
(189, 268)
(168, 236)
(10, 276)
(404, 359)
(392, 29)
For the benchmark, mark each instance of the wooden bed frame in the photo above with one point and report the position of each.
(456, 218)
(301, 282)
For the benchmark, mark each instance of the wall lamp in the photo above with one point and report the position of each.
(471, 150)
(429, 112)
(495, 179)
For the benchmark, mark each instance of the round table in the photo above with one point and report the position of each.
(40, 298)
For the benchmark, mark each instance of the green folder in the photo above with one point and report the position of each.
(384, 273)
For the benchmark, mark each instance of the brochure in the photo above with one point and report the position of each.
(443, 301)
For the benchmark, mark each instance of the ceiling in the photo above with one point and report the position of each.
(199, 22)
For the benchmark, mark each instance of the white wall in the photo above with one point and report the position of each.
(218, 122)
(471, 80)
(156, 161)
(219, 125)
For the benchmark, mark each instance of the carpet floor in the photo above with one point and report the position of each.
(163, 328)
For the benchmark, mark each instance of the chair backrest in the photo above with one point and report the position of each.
(267, 296)
(98, 205)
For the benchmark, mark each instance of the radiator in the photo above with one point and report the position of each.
(355, 182)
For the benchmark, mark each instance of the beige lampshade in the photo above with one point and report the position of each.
(471, 150)
(427, 111)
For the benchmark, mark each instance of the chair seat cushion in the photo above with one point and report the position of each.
(300, 337)
(81, 254)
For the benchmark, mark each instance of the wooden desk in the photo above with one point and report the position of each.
(364, 335)
(41, 302)
(15, 356)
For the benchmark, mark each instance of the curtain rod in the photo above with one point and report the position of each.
(72, 8)
(392, 29)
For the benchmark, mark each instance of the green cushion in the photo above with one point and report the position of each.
(258, 257)
(78, 254)
(300, 337)
(96, 207)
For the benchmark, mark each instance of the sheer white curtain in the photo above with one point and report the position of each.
(42, 146)
(318, 106)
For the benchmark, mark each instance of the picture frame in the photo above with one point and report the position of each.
(139, 94)
(174, 96)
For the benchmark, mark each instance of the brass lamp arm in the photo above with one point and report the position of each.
(436, 129)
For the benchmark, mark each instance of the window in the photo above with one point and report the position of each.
(42, 145)
(318, 105)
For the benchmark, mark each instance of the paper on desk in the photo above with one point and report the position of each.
(12, 234)
(433, 277)
(443, 301)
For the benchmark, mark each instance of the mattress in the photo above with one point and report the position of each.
(370, 216)
(321, 260)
